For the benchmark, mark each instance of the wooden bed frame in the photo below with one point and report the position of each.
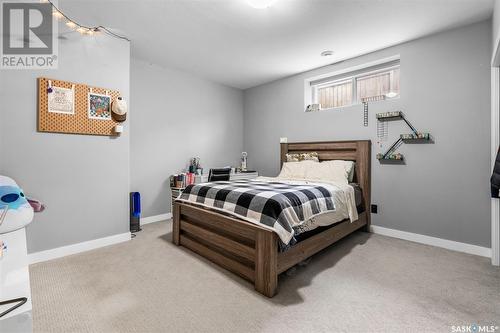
(250, 250)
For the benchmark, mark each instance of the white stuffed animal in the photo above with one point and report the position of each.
(15, 209)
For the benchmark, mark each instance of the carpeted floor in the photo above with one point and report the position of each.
(365, 283)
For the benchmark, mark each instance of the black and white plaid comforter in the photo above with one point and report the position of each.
(278, 206)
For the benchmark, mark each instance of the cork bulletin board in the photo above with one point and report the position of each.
(80, 120)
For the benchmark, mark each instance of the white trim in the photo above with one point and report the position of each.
(434, 241)
(63, 251)
(495, 141)
(156, 218)
(495, 57)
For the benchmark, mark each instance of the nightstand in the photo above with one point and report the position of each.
(176, 191)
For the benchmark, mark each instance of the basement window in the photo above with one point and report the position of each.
(369, 82)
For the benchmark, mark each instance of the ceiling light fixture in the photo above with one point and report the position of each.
(326, 53)
(261, 4)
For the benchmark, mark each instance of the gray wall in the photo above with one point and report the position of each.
(496, 22)
(179, 116)
(82, 179)
(443, 190)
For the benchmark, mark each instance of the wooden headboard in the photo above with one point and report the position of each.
(358, 151)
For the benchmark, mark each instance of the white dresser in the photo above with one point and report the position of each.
(15, 282)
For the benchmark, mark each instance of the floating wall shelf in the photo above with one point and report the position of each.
(415, 137)
(392, 157)
(420, 137)
(387, 116)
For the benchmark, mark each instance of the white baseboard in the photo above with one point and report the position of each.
(434, 241)
(156, 218)
(63, 251)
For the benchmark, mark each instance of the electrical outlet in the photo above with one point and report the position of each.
(283, 140)
(374, 209)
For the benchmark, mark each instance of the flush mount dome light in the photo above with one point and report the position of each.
(261, 4)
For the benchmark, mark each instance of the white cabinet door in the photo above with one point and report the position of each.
(14, 276)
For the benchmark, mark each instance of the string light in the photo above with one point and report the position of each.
(57, 14)
(82, 29)
(71, 24)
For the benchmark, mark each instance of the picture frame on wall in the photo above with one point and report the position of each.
(99, 106)
(61, 100)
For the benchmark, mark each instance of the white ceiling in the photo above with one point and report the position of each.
(229, 42)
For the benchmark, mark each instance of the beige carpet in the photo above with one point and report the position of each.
(365, 283)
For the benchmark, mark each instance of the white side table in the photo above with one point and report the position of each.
(15, 283)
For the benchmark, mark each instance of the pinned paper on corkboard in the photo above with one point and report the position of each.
(62, 100)
(67, 107)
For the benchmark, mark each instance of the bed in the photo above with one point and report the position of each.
(252, 251)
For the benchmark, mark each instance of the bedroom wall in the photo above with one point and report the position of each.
(82, 179)
(443, 190)
(496, 22)
(179, 116)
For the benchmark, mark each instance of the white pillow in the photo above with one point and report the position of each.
(349, 167)
(296, 170)
(335, 171)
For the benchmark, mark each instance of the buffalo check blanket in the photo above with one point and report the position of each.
(276, 205)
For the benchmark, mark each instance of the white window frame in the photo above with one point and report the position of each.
(310, 91)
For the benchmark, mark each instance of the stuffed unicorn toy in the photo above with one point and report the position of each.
(16, 210)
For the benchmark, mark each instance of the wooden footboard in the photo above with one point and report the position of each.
(244, 248)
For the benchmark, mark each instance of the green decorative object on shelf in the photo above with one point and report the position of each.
(393, 157)
(418, 136)
(415, 137)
